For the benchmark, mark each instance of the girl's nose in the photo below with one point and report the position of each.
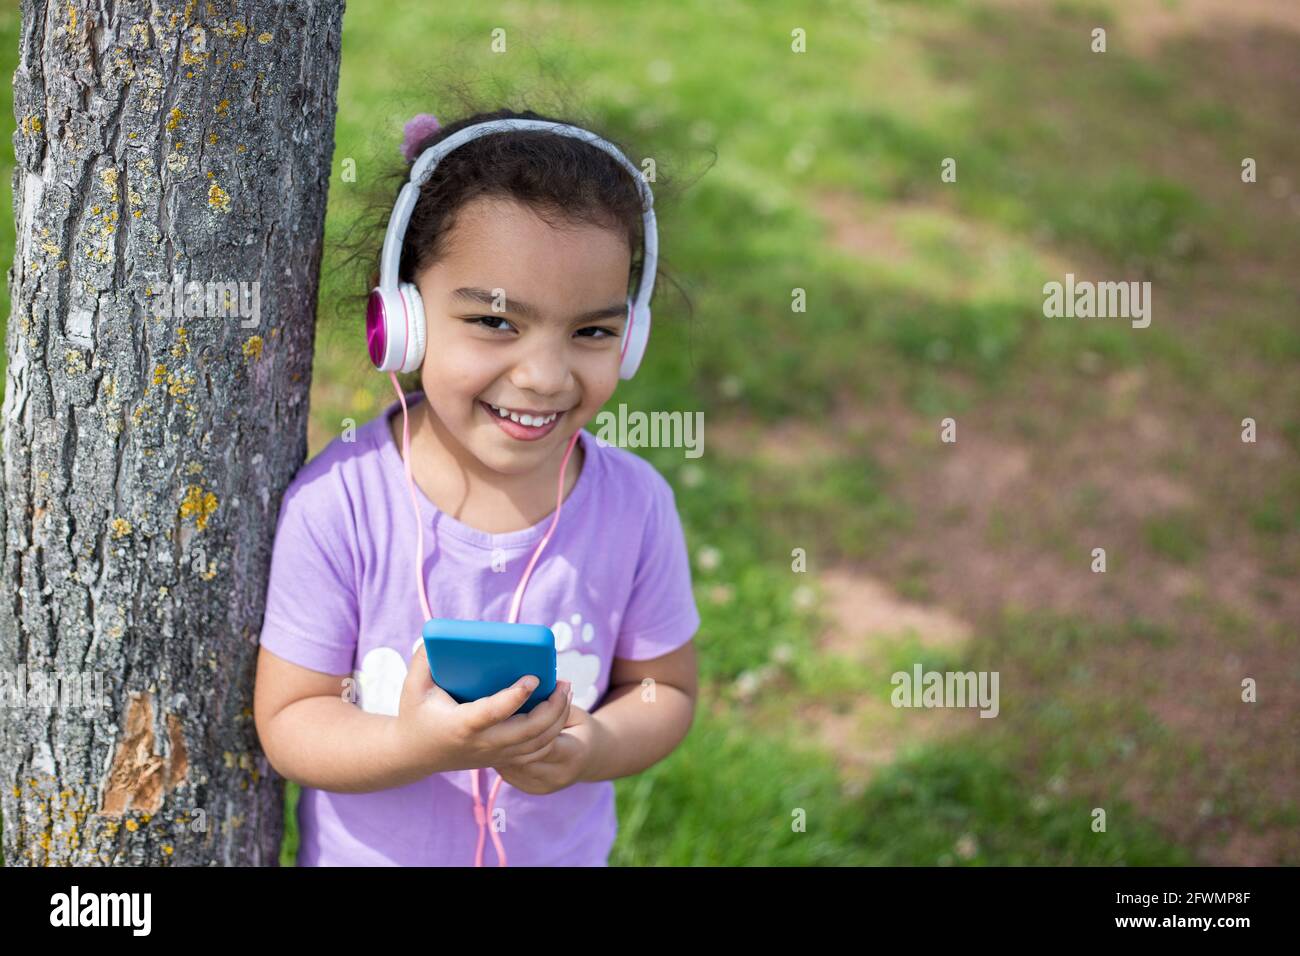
(542, 370)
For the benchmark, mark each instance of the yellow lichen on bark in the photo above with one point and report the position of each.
(199, 505)
(108, 180)
(218, 198)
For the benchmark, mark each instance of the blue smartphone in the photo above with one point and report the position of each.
(473, 659)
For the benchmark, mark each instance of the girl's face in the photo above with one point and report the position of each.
(525, 317)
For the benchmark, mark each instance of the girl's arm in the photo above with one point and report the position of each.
(636, 728)
(316, 738)
(313, 736)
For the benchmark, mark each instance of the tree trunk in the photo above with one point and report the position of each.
(146, 446)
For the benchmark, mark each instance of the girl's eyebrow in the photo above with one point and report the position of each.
(484, 297)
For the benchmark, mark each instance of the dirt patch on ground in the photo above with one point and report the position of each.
(785, 444)
(861, 231)
(864, 619)
(862, 608)
(891, 233)
(1146, 24)
(871, 735)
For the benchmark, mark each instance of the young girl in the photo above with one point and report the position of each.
(521, 245)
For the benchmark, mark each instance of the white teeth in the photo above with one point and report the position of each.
(532, 421)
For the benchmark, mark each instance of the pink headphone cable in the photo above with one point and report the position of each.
(481, 815)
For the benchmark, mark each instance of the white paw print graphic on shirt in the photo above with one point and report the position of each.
(380, 680)
(571, 664)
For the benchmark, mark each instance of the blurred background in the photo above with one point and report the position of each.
(820, 171)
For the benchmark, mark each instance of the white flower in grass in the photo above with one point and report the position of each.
(783, 653)
(751, 681)
(660, 71)
(691, 476)
(721, 593)
(800, 157)
(708, 558)
(747, 684)
(966, 846)
(731, 387)
(803, 597)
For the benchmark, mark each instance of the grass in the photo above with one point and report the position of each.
(1066, 161)
(947, 805)
(1178, 537)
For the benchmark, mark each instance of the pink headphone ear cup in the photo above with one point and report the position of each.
(376, 328)
(386, 325)
(418, 329)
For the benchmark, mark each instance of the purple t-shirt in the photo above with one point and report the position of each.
(614, 581)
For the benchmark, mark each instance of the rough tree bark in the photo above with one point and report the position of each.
(145, 453)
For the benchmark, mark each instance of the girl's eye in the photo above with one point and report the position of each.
(478, 319)
(487, 322)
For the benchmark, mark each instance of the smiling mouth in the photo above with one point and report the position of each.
(527, 419)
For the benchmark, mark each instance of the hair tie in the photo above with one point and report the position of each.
(417, 129)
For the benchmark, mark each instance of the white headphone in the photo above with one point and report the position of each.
(395, 326)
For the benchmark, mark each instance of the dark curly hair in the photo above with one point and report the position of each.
(562, 179)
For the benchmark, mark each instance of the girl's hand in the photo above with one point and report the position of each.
(436, 734)
(562, 762)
